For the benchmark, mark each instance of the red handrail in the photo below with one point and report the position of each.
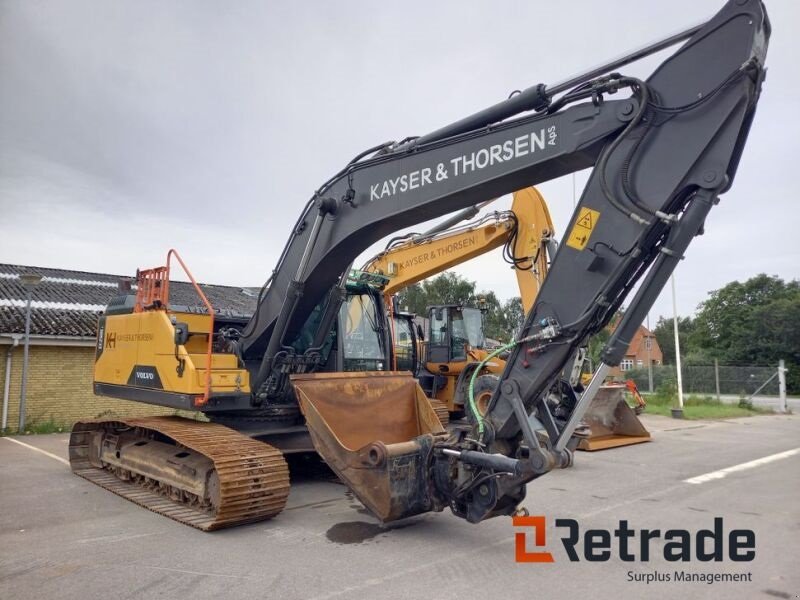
(210, 309)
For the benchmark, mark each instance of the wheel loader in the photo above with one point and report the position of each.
(453, 349)
(662, 152)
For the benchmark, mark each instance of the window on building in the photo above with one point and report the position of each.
(626, 364)
(640, 363)
(648, 343)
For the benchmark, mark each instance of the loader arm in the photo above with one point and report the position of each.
(661, 157)
(526, 230)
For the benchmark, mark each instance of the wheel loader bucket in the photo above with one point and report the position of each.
(376, 431)
(612, 422)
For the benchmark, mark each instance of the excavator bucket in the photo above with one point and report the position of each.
(612, 422)
(376, 431)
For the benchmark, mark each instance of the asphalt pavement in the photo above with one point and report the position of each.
(62, 537)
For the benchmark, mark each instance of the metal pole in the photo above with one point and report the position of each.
(677, 412)
(716, 377)
(574, 195)
(6, 386)
(24, 386)
(649, 345)
(784, 407)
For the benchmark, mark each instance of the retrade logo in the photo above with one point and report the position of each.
(628, 544)
(539, 539)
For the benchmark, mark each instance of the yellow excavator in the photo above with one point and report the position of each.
(291, 377)
(454, 345)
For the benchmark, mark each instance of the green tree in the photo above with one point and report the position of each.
(514, 315)
(413, 299)
(495, 324)
(596, 344)
(665, 336)
(447, 288)
(755, 322)
(501, 319)
(735, 321)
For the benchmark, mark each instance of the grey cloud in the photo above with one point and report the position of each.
(130, 127)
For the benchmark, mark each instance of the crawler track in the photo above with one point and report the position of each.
(253, 476)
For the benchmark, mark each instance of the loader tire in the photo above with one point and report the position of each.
(483, 390)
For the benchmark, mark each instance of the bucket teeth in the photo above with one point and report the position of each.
(252, 478)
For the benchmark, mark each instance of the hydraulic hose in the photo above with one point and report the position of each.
(472, 407)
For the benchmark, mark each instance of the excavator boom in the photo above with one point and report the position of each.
(661, 159)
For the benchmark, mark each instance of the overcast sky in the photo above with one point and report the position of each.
(127, 128)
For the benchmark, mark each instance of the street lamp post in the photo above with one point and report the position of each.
(677, 412)
(29, 282)
(649, 345)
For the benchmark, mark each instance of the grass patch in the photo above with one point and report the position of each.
(699, 407)
(40, 427)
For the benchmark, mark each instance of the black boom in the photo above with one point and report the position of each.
(661, 158)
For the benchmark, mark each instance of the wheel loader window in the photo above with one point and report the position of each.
(438, 336)
(473, 321)
(361, 339)
(459, 340)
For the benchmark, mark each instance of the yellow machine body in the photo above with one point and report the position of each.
(414, 262)
(534, 227)
(137, 354)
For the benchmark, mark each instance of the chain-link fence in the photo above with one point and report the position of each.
(737, 380)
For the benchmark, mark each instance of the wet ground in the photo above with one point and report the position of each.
(62, 537)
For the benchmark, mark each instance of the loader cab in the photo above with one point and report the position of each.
(453, 329)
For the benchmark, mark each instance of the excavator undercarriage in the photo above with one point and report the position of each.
(201, 474)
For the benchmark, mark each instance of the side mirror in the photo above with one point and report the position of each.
(181, 333)
(439, 314)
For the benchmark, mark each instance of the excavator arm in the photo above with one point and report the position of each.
(661, 157)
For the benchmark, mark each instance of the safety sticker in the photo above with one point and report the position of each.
(582, 230)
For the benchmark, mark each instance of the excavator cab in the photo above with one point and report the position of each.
(362, 339)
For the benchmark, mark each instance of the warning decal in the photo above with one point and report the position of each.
(582, 230)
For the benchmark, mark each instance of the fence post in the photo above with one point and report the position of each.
(782, 386)
(716, 377)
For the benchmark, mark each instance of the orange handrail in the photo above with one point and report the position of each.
(210, 309)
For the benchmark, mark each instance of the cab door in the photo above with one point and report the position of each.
(405, 343)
